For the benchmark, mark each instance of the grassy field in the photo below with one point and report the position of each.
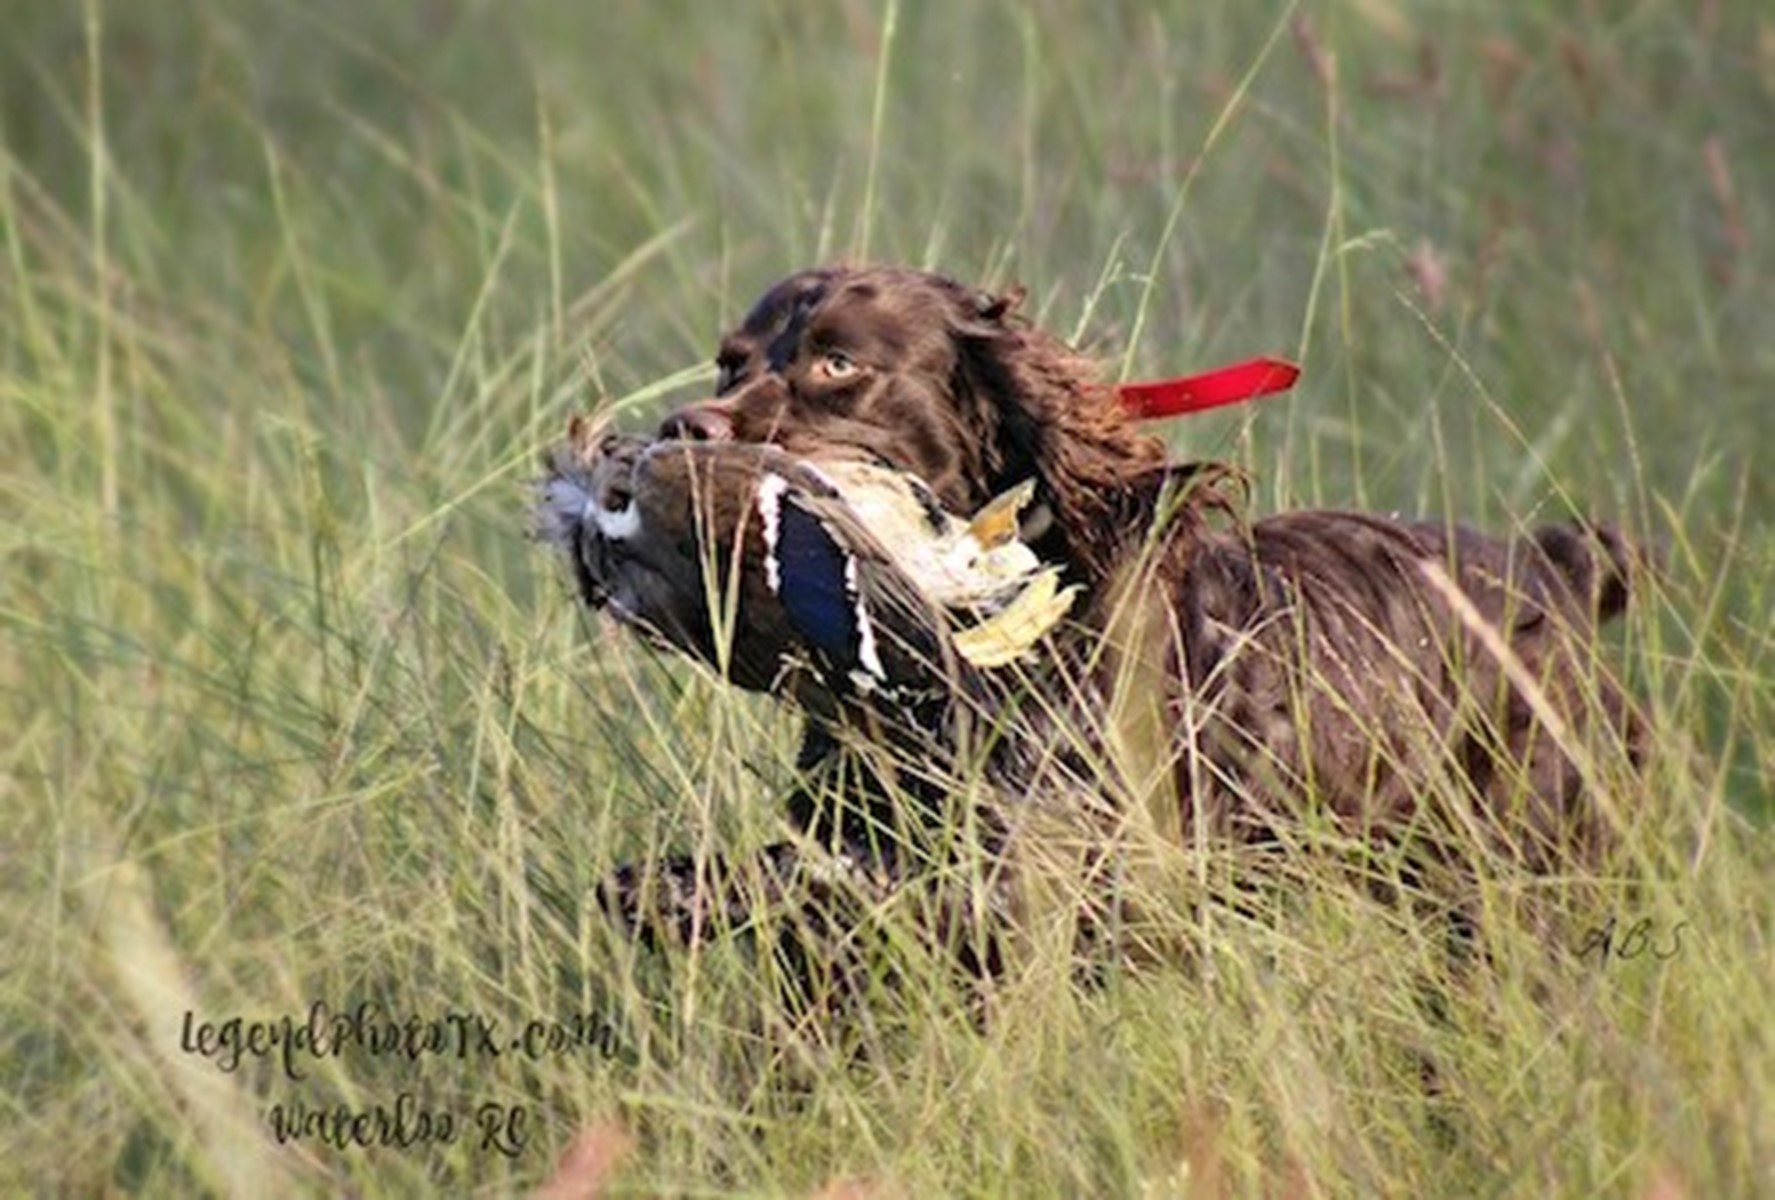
(293, 294)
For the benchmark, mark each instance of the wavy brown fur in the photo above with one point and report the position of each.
(1312, 650)
(1366, 667)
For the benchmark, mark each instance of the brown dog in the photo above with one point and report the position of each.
(1361, 667)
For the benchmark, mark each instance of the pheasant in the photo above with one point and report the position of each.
(837, 583)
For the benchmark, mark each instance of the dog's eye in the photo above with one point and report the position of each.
(835, 365)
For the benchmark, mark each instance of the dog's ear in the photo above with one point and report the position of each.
(1044, 414)
(998, 407)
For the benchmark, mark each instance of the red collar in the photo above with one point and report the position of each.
(1235, 384)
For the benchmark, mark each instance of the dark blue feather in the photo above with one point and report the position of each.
(816, 584)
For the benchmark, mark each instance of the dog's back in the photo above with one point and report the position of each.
(1362, 665)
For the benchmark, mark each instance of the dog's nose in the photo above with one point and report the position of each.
(697, 423)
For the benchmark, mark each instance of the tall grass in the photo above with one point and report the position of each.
(292, 295)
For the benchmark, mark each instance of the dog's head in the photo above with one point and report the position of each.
(926, 375)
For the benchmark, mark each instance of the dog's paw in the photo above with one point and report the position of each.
(654, 902)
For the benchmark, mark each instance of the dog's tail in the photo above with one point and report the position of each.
(1594, 565)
